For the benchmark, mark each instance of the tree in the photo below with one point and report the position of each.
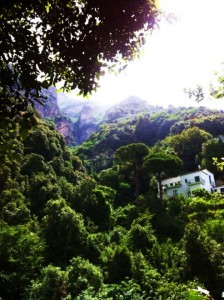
(119, 264)
(211, 149)
(41, 189)
(94, 202)
(161, 165)
(45, 141)
(21, 259)
(141, 238)
(132, 156)
(204, 258)
(127, 289)
(64, 232)
(74, 42)
(216, 90)
(188, 144)
(12, 208)
(52, 285)
(83, 274)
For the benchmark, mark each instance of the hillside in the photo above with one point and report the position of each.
(87, 116)
(154, 129)
(100, 130)
(122, 202)
(86, 222)
(78, 120)
(69, 232)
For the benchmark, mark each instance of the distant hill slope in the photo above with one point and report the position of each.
(77, 120)
(148, 128)
(132, 120)
(129, 108)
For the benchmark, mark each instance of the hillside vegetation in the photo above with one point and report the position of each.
(87, 223)
(185, 131)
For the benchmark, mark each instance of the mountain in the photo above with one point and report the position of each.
(50, 110)
(50, 106)
(86, 116)
(155, 129)
(77, 120)
(131, 120)
(129, 107)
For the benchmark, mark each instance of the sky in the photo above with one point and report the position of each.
(178, 55)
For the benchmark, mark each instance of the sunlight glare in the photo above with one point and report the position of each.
(177, 56)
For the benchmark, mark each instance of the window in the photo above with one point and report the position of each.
(175, 192)
(197, 179)
(186, 180)
(222, 190)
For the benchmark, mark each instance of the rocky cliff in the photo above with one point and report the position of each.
(86, 116)
(76, 120)
(50, 110)
(66, 127)
(50, 106)
(87, 124)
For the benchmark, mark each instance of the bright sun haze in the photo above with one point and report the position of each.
(178, 55)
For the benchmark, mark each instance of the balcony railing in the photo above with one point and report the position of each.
(172, 185)
(193, 181)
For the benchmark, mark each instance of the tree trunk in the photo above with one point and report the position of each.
(160, 190)
(137, 186)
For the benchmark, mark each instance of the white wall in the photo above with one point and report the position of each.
(206, 181)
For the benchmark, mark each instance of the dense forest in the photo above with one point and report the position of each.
(87, 223)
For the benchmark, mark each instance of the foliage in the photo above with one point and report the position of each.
(140, 238)
(161, 165)
(82, 275)
(126, 290)
(132, 157)
(52, 284)
(204, 258)
(46, 42)
(188, 144)
(64, 232)
(148, 127)
(193, 295)
(21, 259)
(212, 149)
(118, 265)
(214, 229)
(69, 234)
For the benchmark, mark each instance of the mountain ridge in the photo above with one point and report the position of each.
(77, 119)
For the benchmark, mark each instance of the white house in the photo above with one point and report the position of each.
(185, 184)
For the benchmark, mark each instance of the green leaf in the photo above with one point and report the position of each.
(48, 6)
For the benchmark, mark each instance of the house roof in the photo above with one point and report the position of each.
(205, 171)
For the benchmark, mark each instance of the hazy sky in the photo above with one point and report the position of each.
(177, 56)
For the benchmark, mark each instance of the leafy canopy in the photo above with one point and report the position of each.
(71, 41)
(162, 164)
